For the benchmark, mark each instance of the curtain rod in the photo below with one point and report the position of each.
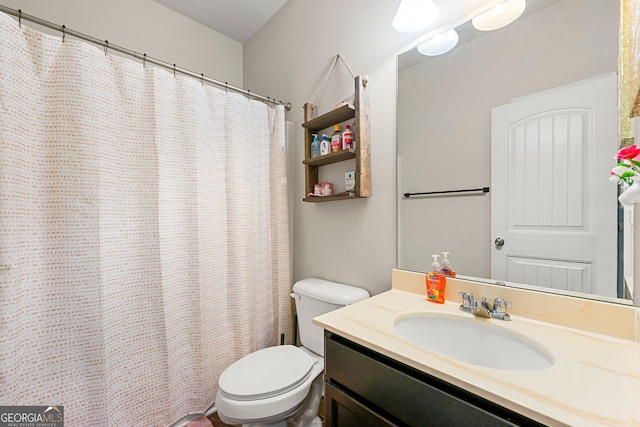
(104, 43)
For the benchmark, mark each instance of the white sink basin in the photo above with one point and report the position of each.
(475, 341)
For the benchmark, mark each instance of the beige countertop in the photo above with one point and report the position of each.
(595, 378)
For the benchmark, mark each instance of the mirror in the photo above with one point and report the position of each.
(444, 131)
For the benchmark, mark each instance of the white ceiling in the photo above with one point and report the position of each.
(236, 19)
(240, 19)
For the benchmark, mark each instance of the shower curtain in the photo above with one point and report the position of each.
(143, 233)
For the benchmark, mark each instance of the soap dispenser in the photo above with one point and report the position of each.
(447, 269)
(436, 282)
(315, 146)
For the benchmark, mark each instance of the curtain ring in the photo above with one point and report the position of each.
(64, 32)
(202, 78)
(248, 95)
(174, 70)
(226, 87)
(106, 46)
(20, 18)
(144, 60)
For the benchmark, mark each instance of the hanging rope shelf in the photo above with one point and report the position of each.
(354, 109)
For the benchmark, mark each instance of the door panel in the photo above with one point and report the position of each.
(552, 202)
(572, 276)
(544, 171)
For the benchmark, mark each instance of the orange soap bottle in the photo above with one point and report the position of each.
(446, 267)
(436, 282)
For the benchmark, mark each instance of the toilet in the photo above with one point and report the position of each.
(282, 385)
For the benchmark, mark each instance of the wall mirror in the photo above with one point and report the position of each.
(492, 113)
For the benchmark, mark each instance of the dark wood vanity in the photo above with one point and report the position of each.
(366, 388)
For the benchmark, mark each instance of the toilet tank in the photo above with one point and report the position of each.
(314, 297)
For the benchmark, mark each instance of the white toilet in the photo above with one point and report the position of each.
(283, 385)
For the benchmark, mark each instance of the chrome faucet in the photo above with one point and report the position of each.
(481, 308)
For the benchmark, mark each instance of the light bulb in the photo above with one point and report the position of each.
(499, 16)
(442, 43)
(414, 15)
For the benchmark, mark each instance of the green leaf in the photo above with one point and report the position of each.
(627, 174)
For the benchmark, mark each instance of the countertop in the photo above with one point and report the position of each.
(594, 381)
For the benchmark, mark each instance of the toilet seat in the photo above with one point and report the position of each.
(270, 409)
(266, 373)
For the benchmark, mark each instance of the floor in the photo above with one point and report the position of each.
(215, 420)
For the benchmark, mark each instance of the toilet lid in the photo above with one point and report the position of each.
(265, 373)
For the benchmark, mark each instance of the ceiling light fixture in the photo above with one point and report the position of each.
(442, 43)
(414, 15)
(499, 16)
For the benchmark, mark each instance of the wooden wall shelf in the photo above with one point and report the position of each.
(333, 198)
(359, 112)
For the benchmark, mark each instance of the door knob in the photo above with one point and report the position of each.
(499, 242)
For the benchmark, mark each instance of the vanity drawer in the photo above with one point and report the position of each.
(343, 410)
(403, 395)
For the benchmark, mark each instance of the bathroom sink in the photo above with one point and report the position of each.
(474, 341)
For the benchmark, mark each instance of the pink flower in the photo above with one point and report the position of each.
(628, 153)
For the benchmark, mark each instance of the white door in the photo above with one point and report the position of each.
(553, 208)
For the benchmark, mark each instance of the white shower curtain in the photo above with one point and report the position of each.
(143, 233)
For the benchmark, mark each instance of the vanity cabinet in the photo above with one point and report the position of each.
(359, 113)
(365, 388)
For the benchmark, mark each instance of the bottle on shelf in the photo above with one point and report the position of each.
(336, 139)
(315, 146)
(347, 138)
(325, 147)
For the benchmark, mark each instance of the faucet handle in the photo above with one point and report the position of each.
(500, 306)
(467, 300)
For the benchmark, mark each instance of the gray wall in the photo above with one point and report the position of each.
(352, 241)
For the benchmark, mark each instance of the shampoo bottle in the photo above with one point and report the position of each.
(336, 139)
(325, 148)
(447, 269)
(436, 282)
(347, 138)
